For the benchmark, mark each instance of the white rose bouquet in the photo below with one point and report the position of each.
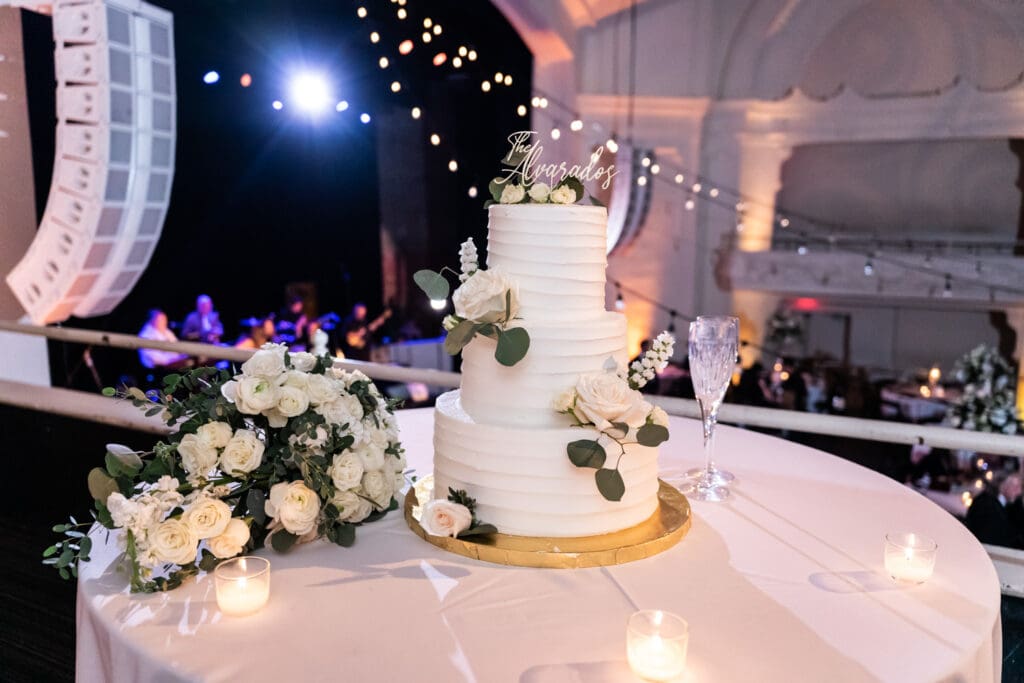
(486, 303)
(289, 450)
(988, 401)
(609, 403)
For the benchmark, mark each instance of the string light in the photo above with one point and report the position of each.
(402, 14)
(245, 80)
(869, 268)
(555, 133)
(374, 37)
(696, 187)
(396, 86)
(641, 181)
(463, 51)
(341, 106)
(486, 86)
(508, 79)
(576, 125)
(457, 62)
(655, 169)
(713, 192)
(440, 58)
(680, 178)
(499, 77)
(439, 304)
(211, 77)
(361, 12)
(416, 112)
(383, 62)
(364, 117)
(435, 139)
(437, 29)
(277, 104)
(801, 249)
(543, 103)
(405, 47)
(784, 222)
(522, 110)
(426, 37)
(472, 55)
(471, 191)
(428, 22)
(689, 204)
(453, 166)
(740, 206)
(534, 101)
(611, 145)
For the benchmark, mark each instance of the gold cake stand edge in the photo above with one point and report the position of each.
(662, 530)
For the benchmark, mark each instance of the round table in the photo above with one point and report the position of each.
(784, 582)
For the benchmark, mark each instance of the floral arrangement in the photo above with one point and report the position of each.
(568, 191)
(288, 451)
(486, 303)
(455, 517)
(611, 403)
(988, 401)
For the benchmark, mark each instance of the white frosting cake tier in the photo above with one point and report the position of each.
(557, 254)
(522, 395)
(524, 483)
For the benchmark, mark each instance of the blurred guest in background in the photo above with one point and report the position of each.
(260, 331)
(753, 389)
(357, 332)
(996, 518)
(203, 324)
(156, 329)
(292, 324)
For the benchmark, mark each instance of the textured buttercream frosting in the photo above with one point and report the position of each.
(499, 438)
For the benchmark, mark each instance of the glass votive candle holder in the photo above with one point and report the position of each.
(242, 585)
(910, 557)
(656, 644)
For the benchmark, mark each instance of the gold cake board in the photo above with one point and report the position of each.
(662, 530)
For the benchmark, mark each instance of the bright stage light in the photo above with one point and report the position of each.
(310, 93)
(211, 77)
(364, 117)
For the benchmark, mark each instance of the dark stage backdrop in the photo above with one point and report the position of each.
(262, 198)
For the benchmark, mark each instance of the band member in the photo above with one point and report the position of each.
(357, 332)
(260, 331)
(203, 324)
(156, 329)
(292, 323)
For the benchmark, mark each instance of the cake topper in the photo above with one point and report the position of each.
(529, 179)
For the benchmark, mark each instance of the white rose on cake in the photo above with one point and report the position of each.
(564, 401)
(267, 363)
(482, 297)
(539, 192)
(351, 507)
(174, 541)
(197, 457)
(563, 195)
(208, 517)
(346, 471)
(243, 453)
(512, 194)
(231, 541)
(445, 518)
(603, 398)
(294, 505)
(215, 434)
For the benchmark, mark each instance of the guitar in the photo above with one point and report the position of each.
(357, 339)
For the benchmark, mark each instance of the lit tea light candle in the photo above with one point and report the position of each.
(656, 644)
(242, 585)
(910, 558)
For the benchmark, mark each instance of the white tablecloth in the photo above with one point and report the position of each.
(783, 583)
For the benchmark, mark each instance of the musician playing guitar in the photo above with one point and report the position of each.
(357, 332)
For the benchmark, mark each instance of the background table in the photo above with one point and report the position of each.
(785, 582)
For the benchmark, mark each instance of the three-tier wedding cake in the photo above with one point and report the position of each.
(502, 437)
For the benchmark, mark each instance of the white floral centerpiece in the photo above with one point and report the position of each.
(610, 402)
(988, 401)
(289, 450)
(486, 303)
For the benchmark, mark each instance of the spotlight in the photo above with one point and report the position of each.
(364, 117)
(245, 81)
(277, 104)
(396, 86)
(211, 77)
(435, 139)
(453, 166)
(440, 58)
(521, 110)
(374, 37)
(309, 92)
(416, 112)
(555, 133)
(383, 62)
(341, 106)
(576, 125)
(439, 304)
(471, 191)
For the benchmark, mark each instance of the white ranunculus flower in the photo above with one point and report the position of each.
(231, 541)
(563, 195)
(294, 505)
(322, 389)
(378, 487)
(253, 395)
(563, 402)
(351, 507)
(215, 434)
(266, 363)
(197, 457)
(659, 416)
(603, 398)
(346, 471)
(482, 297)
(243, 453)
(208, 517)
(292, 401)
(174, 541)
(539, 192)
(445, 518)
(512, 194)
(303, 361)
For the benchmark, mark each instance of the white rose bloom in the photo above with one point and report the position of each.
(351, 507)
(482, 297)
(295, 505)
(267, 363)
(659, 416)
(563, 195)
(563, 402)
(313, 444)
(604, 398)
(303, 361)
(215, 434)
(292, 401)
(243, 453)
(512, 194)
(231, 541)
(371, 455)
(294, 378)
(346, 471)
(322, 389)
(346, 409)
(445, 518)
(208, 517)
(197, 457)
(174, 541)
(378, 487)
(539, 192)
(253, 395)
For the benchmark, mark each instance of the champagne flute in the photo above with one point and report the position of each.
(721, 477)
(714, 342)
